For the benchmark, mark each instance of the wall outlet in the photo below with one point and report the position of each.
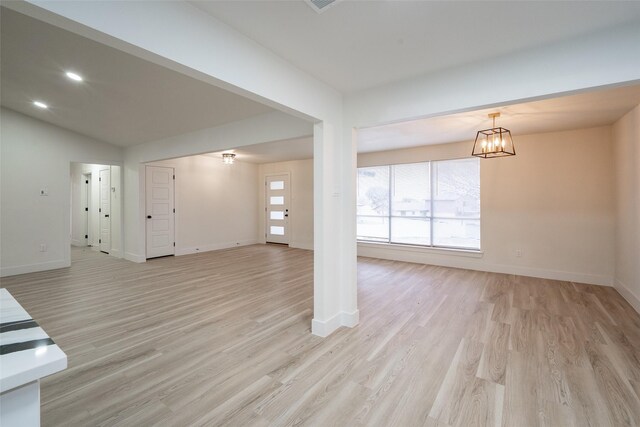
(518, 253)
(43, 247)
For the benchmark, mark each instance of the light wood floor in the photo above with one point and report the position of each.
(222, 338)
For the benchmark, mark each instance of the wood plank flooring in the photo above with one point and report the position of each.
(223, 338)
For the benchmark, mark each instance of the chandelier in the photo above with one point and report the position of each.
(494, 142)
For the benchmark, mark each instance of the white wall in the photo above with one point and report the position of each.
(626, 136)
(554, 201)
(301, 209)
(37, 155)
(216, 204)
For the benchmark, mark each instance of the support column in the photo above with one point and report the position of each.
(335, 286)
(349, 254)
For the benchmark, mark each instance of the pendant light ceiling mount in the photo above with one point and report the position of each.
(228, 158)
(494, 142)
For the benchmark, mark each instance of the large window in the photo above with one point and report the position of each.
(428, 204)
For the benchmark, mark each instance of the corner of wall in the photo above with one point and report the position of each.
(627, 294)
(327, 327)
(308, 246)
(626, 146)
(134, 257)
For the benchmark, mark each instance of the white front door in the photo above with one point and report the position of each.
(160, 211)
(105, 210)
(277, 208)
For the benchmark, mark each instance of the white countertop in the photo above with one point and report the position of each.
(27, 353)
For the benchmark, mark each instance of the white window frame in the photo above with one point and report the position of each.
(389, 241)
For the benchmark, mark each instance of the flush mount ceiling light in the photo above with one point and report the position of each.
(40, 104)
(73, 76)
(494, 142)
(321, 5)
(228, 158)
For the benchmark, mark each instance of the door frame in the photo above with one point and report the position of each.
(101, 215)
(265, 219)
(143, 205)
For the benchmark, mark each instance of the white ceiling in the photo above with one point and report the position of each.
(585, 110)
(124, 100)
(276, 151)
(359, 44)
(599, 108)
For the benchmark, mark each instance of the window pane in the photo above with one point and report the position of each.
(459, 233)
(277, 215)
(374, 228)
(456, 188)
(277, 200)
(405, 193)
(373, 191)
(276, 185)
(410, 192)
(277, 230)
(415, 231)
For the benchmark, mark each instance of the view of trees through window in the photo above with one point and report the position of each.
(429, 204)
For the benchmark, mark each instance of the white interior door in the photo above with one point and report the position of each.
(160, 211)
(105, 210)
(84, 206)
(277, 208)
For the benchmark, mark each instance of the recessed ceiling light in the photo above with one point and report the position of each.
(40, 104)
(74, 76)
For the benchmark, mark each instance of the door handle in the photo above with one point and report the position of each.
(148, 216)
(106, 216)
(286, 215)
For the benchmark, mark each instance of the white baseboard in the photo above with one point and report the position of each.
(302, 245)
(79, 243)
(567, 276)
(116, 253)
(627, 294)
(32, 268)
(350, 319)
(214, 247)
(327, 327)
(473, 261)
(134, 257)
(307, 246)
